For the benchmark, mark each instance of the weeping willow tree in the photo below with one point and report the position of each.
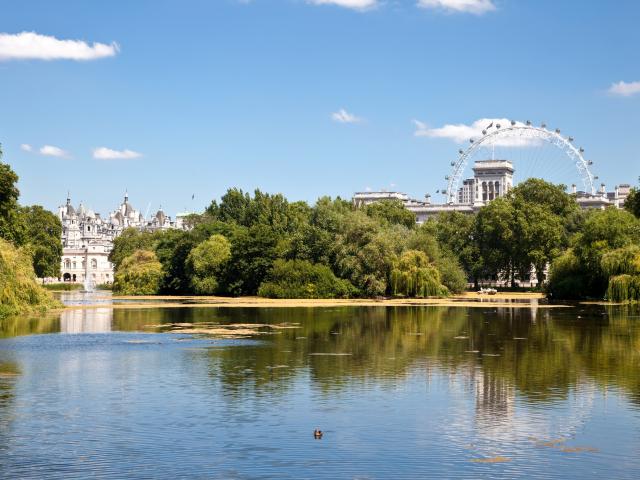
(19, 290)
(413, 275)
(622, 266)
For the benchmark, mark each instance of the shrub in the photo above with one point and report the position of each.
(138, 274)
(303, 279)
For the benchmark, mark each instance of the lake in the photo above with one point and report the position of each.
(399, 392)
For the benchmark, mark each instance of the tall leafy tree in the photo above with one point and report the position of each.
(10, 221)
(207, 260)
(632, 202)
(42, 233)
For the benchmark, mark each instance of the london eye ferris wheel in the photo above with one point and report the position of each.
(534, 151)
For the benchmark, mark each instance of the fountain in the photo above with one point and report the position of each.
(88, 281)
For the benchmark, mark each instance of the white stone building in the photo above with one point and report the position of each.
(87, 238)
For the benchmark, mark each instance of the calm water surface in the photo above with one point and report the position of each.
(400, 392)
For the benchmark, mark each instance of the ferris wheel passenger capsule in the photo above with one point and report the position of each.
(528, 123)
(497, 125)
(453, 164)
(471, 140)
(581, 150)
(544, 125)
(460, 151)
(446, 177)
(513, 122)
(590, 162)
(571, 139)
(484, 132)
(557, 130)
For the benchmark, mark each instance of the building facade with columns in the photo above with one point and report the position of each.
(491, 179)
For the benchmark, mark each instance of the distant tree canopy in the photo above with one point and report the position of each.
(263, 244)
(249, 244)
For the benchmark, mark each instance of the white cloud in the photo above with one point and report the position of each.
(104, 153)
(51, 151)
(342, 116)
(31, 45)
(624, 89)
(477, 7)
(352, 4)
(26, 147)
(461, 133)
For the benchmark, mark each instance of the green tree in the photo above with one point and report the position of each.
(495, 237)
(455, 233)
(139, 274)
(207, 260)
(540, 238)
(130, 240)
(632, 202)
(567, 277)
(172, 249)
(253, 251)
(391, 211)
(546, 195)
(43, 231)
(365, 252)
(303, 279)
(11, 227)
(413, 275)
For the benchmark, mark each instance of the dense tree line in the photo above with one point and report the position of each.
(263, 244)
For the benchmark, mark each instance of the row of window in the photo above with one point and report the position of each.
(69, 264)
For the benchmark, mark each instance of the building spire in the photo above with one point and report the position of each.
(126, 195)
(68, 197)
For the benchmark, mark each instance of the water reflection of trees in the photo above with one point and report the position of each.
(542, 357)
(541, 354)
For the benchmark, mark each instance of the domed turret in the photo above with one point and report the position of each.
(161, 217)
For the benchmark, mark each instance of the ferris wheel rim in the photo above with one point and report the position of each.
(551, 136)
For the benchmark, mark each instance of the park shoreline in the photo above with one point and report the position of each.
(468, 300)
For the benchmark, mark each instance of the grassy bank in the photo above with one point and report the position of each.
(62, 287)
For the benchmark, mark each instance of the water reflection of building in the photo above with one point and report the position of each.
(495, 400)
(86, 320)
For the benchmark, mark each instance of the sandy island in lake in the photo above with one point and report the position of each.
(469, 299)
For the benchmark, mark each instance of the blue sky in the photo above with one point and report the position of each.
(307, 98)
